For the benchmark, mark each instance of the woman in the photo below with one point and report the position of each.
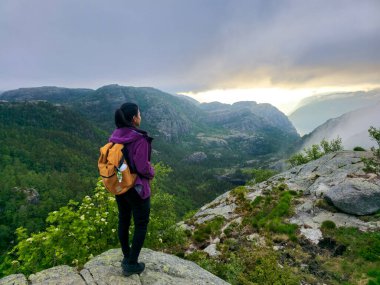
(135, 201)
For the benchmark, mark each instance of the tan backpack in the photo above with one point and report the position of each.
(114, 169)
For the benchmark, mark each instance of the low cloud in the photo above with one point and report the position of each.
(189, 45)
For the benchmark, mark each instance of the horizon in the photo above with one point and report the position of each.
(244, 95)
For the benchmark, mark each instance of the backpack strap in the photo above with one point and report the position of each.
(125, 157)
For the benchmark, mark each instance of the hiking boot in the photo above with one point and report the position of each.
(124, 263)
(133, 268)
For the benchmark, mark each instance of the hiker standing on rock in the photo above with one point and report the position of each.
(136, 201)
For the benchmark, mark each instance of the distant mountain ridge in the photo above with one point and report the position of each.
(169, 117)
(352, 127)
(316, 110)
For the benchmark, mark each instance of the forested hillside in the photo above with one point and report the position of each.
(50, 139)
(46, 158)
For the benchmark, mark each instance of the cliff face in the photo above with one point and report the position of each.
(161, 268)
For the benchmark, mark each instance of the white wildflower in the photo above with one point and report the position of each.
(82, 217)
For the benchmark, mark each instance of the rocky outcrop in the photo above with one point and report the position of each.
(336, 177)
(196, 157)
(31, 195)
(161, 268)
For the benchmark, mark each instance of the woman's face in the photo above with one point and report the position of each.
(137, 119)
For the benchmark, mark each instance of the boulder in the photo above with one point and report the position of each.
(14, 279)
(355, 196)
(161, 268)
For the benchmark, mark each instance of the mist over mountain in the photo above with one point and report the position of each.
(316, 110)
(352, 127)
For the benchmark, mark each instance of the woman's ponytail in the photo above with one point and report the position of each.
(124, 115)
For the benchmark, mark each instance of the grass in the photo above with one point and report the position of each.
(208, 229)
(361, 260)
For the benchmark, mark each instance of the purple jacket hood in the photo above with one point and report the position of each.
(128, 135)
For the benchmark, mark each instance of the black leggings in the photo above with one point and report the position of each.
(130, 203)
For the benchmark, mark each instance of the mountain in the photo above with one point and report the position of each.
(316, 223)
(51, 138)
(352, 127)
(177, 119)
(316, 110)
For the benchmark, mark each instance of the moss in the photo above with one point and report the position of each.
(374, 274)
(328, 225)
(270, 212)
(240, 193)
(371, 218)
(323, 204)
(282, 187)
(256, 201)
(208, 229)
(231, 228)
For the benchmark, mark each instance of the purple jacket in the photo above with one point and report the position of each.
(139, 152)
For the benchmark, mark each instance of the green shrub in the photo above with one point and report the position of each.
(247, 266)
(240, 193)
(272, 212)
(316, 151)
(364, 245)
(204, 231)
(358, 148)
(78, 231)
(375, 277)
(372, 165)
(328, 225)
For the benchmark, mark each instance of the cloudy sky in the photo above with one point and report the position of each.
(277, 51)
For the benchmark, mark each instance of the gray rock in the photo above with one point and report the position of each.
(167, 269)
(196, 157)
(14, 279)
(355, 196)
(219, 207)
(211, 250)
(105, 269)
(314, 235)
(63, 274)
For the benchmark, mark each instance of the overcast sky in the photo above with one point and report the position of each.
(190, 46)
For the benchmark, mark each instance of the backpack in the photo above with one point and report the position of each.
(114, 168)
